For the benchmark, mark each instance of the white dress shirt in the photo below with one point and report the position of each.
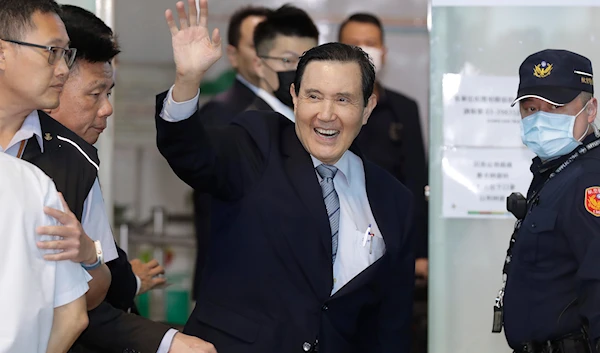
(94, 220)
(276, 104)
(355, 217)
(32, 286)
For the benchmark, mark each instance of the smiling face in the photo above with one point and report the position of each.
(84, 103)
(330, 109)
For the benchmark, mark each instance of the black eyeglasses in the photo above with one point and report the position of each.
(56, 53)
(285, 61)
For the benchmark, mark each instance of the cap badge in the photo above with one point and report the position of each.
(542, 69)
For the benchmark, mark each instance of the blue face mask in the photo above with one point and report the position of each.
(550, 135)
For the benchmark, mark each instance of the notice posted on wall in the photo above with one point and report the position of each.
(477, 111)
(477, 181)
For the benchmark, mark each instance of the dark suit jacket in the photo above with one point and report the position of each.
(218, 111)
(223, 107)
(393, 139)
(123, 286)
(267, 283)
(258, 104)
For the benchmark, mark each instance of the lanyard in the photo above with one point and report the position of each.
(532, 200)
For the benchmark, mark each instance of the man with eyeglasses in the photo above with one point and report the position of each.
(84, 108)
(280, 40)
(34, 64)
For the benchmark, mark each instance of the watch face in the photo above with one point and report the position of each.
(99, 251)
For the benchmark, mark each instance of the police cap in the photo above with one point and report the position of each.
(554, 76)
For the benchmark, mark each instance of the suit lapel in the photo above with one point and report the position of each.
(301, 173)
(385, 213)
(384, 208)
(259, 104)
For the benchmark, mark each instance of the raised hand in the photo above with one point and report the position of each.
(194, 50)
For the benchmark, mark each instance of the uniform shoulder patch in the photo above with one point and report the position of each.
(592, 200)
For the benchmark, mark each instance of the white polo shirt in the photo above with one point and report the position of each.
(31, 287)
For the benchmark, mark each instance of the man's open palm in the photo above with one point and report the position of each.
(194, 50)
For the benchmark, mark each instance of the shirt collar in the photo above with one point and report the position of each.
(276, 104)
(31, 127)
(245, 82)
(343, 166)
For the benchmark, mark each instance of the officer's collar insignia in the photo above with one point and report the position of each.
(47, 136)
(542, 69)
(592, 200)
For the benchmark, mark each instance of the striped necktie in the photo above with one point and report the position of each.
(332, 203)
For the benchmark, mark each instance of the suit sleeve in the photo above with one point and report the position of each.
(581, 226)
(223, 161)
(123, 287)
(395, 313)
(214, 113)
(113, 330)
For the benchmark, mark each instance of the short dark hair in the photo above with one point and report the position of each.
(234, 32)
(362, 18)
(16, 16)
(287, 21)
(92, 38)
(341, 53)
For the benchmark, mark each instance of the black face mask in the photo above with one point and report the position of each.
(286, 78)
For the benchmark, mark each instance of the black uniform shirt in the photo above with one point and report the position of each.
(553, 283)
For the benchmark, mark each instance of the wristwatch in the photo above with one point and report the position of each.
(99, 257)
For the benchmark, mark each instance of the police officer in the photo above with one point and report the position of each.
(551, 301)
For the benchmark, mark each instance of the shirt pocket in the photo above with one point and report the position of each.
(538, 237)
(372, 250)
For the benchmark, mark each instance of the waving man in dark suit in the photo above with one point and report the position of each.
(310, 242)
